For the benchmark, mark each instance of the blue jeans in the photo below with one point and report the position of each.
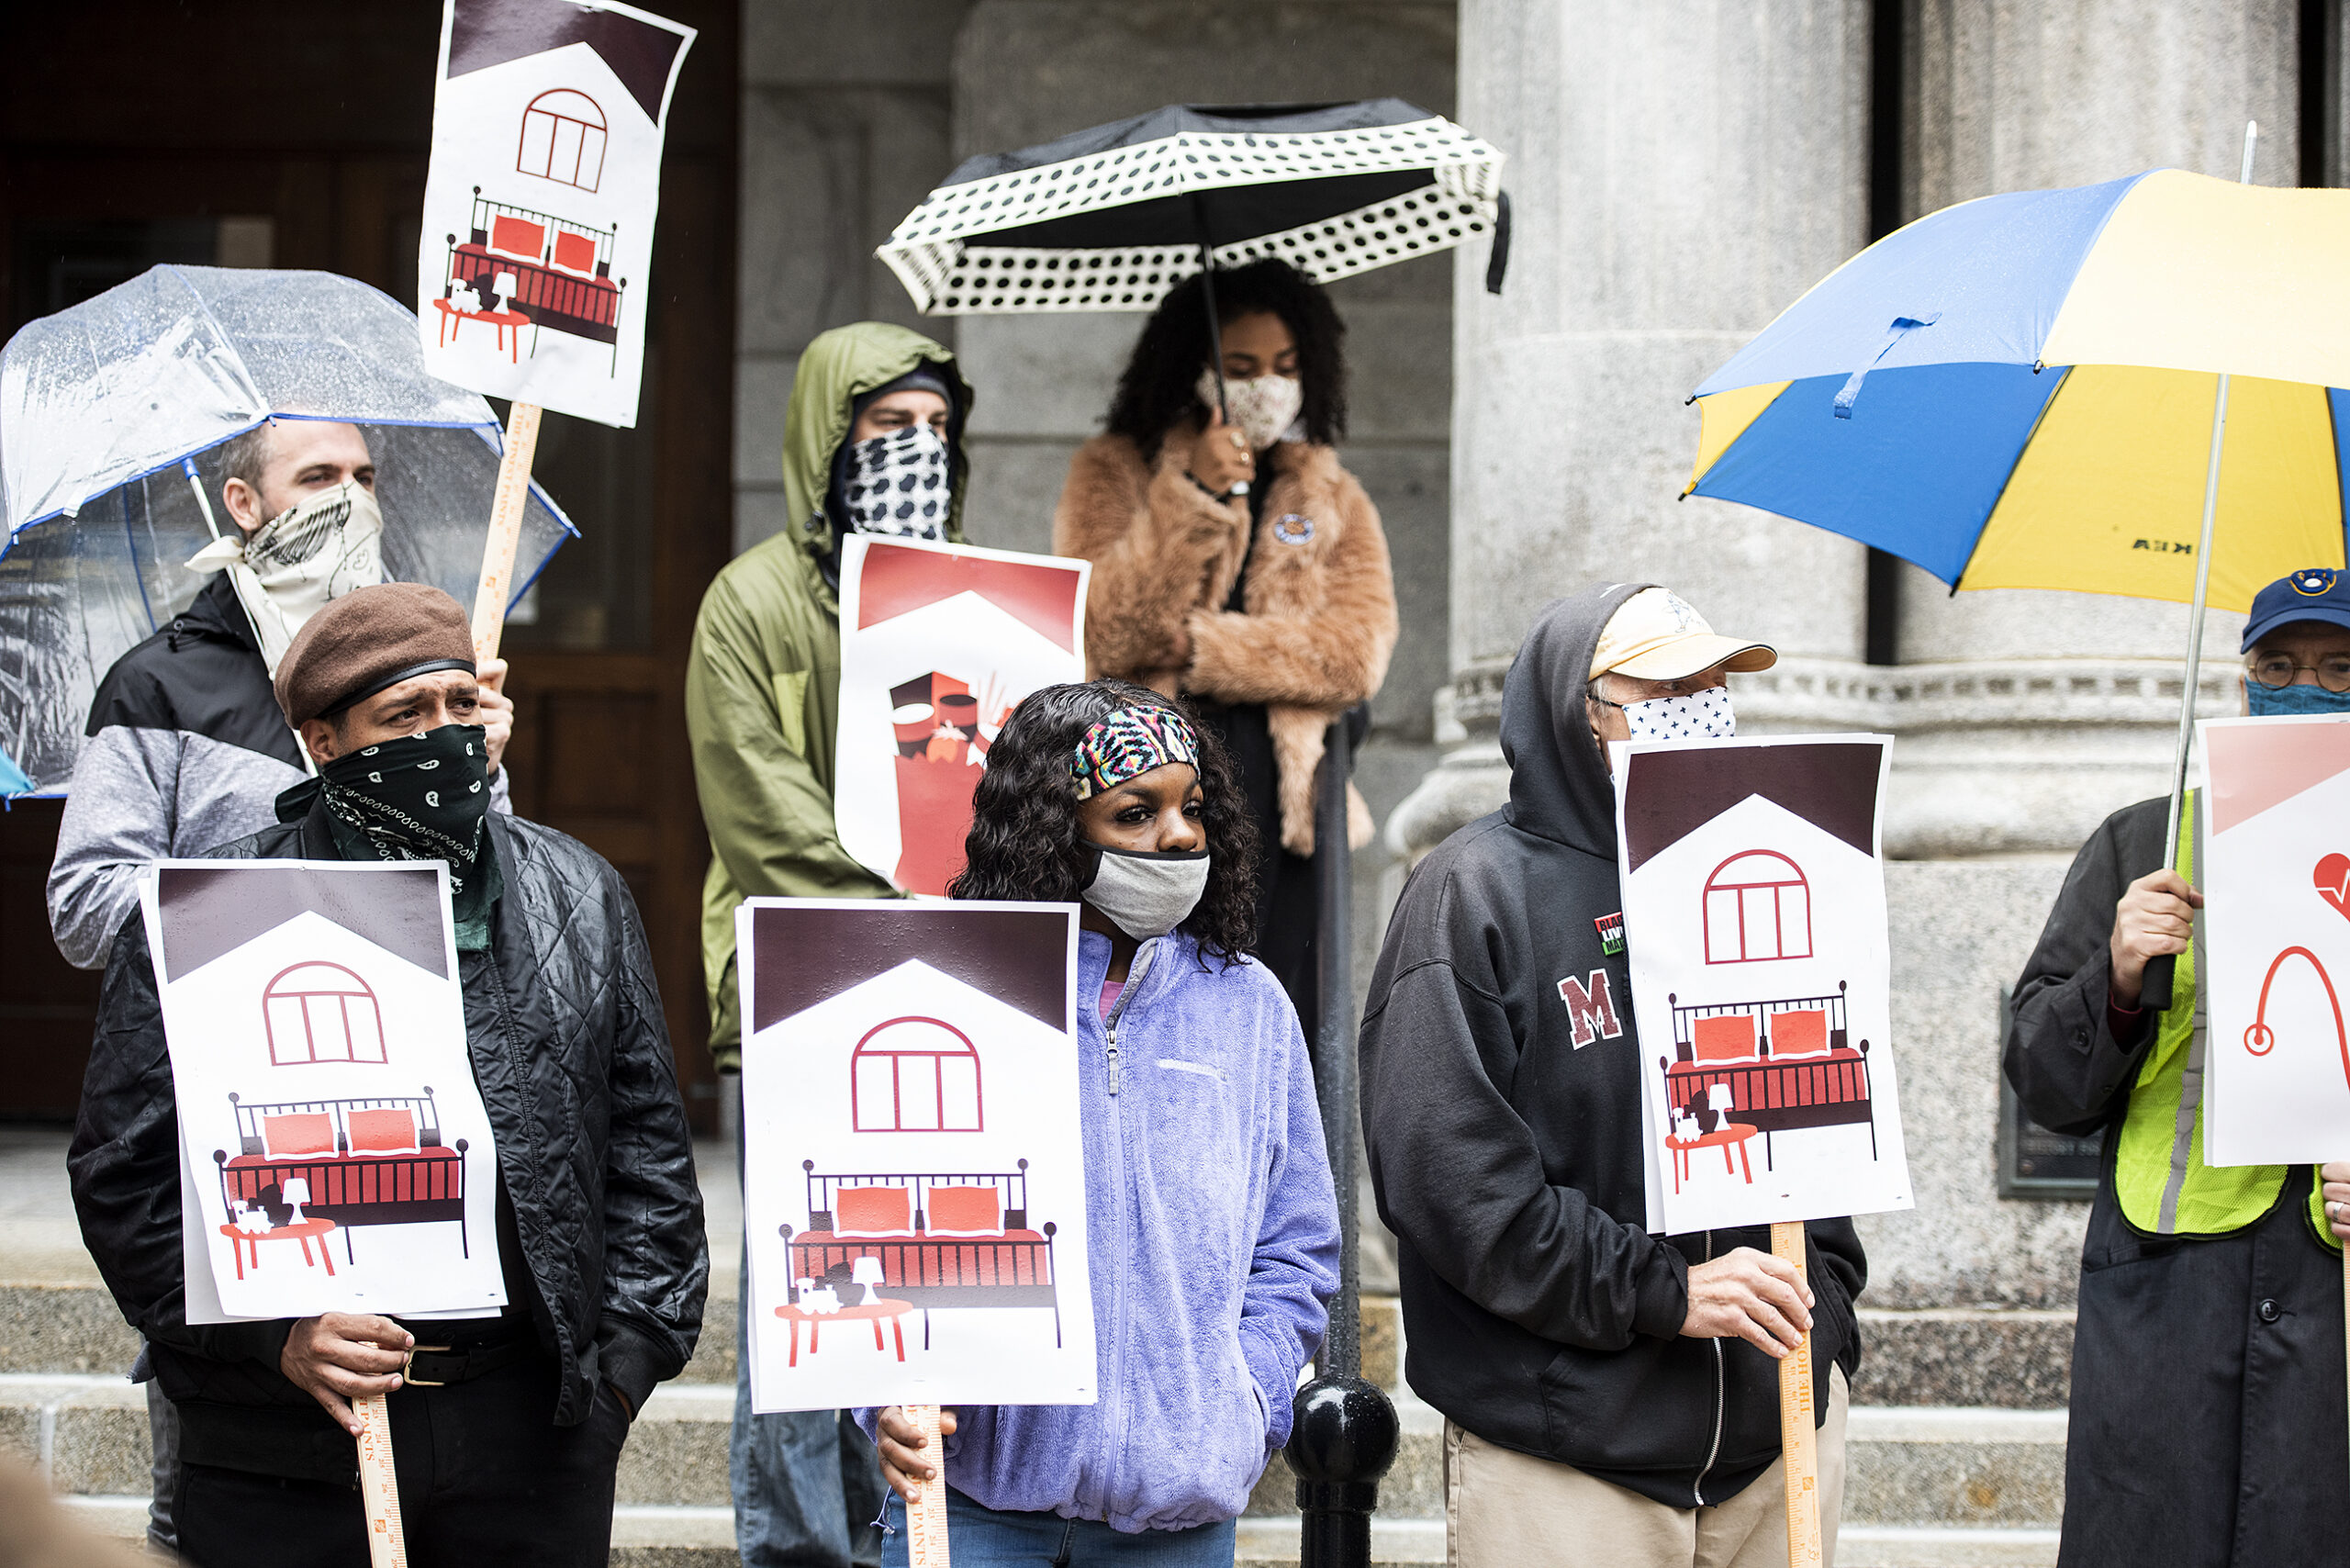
(807, 1484)
(983, 1538)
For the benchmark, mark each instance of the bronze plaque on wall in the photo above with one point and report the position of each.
(2033, 1161)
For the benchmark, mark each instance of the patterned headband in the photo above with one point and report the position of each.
(1128, 744)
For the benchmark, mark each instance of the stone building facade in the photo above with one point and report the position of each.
(1680, 171)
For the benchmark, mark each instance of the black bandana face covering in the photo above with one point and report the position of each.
(419, 798)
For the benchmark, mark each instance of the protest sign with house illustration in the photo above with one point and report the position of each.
(913, 1166)
(335, 1154)
(1755, 909)
(2274, 863)
(938, 643)
(536, 252)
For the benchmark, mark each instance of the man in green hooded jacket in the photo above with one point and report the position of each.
(873, 444)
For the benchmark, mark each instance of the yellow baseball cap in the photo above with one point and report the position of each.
(1655, 636)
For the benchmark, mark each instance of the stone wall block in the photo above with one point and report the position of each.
(821, 43)
(1568, 452)
(1960, 931)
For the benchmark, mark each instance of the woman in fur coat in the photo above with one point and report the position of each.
(1238, 563)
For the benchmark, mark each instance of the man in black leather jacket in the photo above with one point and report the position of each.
(507, 1440)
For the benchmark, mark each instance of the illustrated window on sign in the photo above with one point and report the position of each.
(562, 138)
(321, 1012)
(915, 1075)
(1758, 906)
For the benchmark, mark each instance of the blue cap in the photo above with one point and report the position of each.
(2317, 593)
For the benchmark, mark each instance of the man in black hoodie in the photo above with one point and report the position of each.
(1611, 1396)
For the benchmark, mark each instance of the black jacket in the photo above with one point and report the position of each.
(571, 1059)
(202, 673)
(1507, 1157)
(2207, 1373)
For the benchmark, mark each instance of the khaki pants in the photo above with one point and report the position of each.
(1507, 1510)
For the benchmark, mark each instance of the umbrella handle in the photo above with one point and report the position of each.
(2155, 990)
(1215, 328)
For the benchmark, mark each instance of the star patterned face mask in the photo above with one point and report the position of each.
(1701, 715)
(898, 484)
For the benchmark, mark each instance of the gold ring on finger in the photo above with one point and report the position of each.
(1237, 441)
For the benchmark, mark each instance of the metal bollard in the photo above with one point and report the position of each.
(1346, 1429)
(1344, 1440)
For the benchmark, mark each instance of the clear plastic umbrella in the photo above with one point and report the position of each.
(110, 413)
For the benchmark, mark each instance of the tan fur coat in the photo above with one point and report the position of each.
(1320, 617)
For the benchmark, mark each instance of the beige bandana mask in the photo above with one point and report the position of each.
(298, 561)
(1264, 409)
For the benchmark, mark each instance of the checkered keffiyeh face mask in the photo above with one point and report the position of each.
(898, 484)
(1129, 744)
(1701, 715)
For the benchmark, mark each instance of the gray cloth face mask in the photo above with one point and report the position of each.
(1145, 895)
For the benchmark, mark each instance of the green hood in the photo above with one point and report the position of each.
(836, 368)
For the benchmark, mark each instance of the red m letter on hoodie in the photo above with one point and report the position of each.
(1592, 1010)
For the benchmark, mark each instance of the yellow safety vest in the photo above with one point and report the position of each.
(2158, 1171)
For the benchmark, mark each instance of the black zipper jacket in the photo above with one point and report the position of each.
(1501, 1104)
(572, 1057)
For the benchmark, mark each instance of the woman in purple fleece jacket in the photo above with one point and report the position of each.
(1209, 1218)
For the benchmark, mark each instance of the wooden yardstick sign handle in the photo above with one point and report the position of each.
(511, 498)
(1798, 1442)
(926, 1520)
(379, 1491)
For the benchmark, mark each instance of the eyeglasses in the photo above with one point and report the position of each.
(2279, 670)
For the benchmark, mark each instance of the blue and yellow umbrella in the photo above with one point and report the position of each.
(2132, 388)
(2017, 392)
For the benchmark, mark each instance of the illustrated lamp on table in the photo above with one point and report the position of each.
(866, 1271)
(1720, 1099)
(295, 1191)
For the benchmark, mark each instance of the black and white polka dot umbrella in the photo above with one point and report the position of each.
(1110, 219)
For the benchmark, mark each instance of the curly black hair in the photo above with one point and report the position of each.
(1024, 844)
(1158, 389)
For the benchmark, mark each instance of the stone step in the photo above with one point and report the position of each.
(1925, 1487)
(2013, 1359)
(1937, 1467)
(644, 1535)
(1394, 1542)
(52, 1329)
(73, 1326)
(1943, 1546)
(1933, 1465)
(649, 1536)
(90, 1432)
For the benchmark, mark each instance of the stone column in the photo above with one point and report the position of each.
(2038, 713)
(1680, 171)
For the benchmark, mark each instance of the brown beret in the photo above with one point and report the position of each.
(368, 640)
